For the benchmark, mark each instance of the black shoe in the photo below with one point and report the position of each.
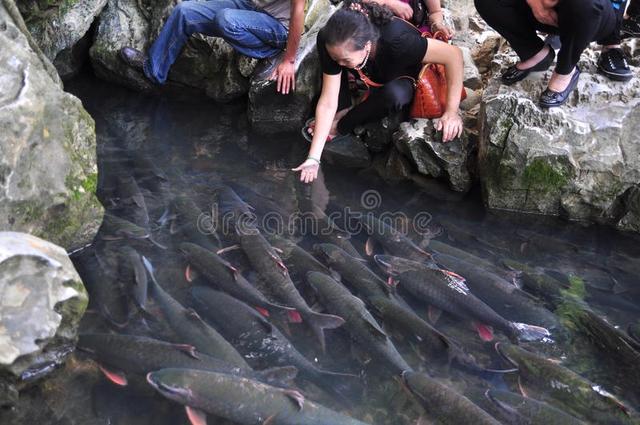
(133, 57)
(630, 27)
(613, 64)
(550, 98)
(265, 68)
(512, 75)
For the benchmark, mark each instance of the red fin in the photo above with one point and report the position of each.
(196, 417)
(187, 273)
(294, 316)
(262, 311)
(452, 274)
(434, 314)
(485, 332)
(269, 420)
(116, 377)
(369, 248)
(392, 282)
(295, 396)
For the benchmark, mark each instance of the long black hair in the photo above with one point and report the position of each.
(357, 22)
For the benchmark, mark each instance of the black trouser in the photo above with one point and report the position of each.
(633, 11)
(579, 23)
(394, 96)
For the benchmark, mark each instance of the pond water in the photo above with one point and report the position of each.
(160, 163)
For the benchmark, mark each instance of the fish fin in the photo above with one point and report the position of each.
(280, 375)
(227, 249)
(508, 410)
(188, 273)
(530, 332)
(269, 420)
(156, 243)
(391, 282)
(319, 322)
(262, 311)
(375, 327)
(618, 288)
(196, 416)
(117, 377)
(434, 314)
(453, 274)
(296, 396)
(485, 332)
(193, 315)
(521, 388)
(294, 316)
(278, 250)
(189, 349)
(369, 247)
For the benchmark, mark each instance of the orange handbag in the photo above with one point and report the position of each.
(430, 97)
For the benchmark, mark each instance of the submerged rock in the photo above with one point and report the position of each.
(58, 26)
(47, 150)
(419, 141)
(579, 161)
(41, 302)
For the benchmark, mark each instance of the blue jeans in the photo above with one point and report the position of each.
(249, 31)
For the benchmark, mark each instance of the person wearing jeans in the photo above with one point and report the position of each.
(577, 22)
(255, 28)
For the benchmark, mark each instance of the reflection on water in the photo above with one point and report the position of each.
(161, 163)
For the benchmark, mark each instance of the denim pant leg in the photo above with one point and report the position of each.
(185, 19)
(252, 33)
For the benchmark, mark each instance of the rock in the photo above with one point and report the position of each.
(58, 25)
(392, 166)
(272, 112)
(378, 136)
(472, 78)
(419, 141)
(580, 161)
(47, 155)
(348, 151)
(42, 302)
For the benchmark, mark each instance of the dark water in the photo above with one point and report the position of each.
(185, 147)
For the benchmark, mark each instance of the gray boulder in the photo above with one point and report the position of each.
(58, 26)
(419, 141)
(48, 168)
(42, 301)
(580, 161)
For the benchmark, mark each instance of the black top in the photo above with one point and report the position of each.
(399, 52)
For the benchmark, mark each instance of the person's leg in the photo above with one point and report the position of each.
(255, 34)
(185, 19)
(393, 97)
(612, 62)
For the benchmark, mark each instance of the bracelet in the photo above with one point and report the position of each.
(314, 159)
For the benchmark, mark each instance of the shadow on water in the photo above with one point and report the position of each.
(161, 161)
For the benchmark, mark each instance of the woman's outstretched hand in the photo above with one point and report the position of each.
(451, 126)
(308, 170)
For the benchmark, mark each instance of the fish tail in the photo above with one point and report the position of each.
(318, 322)
(530, 332)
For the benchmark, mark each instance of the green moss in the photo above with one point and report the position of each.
(572, 309)
(576, 287)
(543, 176)
(90, 184)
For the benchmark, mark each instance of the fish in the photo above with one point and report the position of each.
(438, 247)
(360, 324)
(123, 357)
(128, 202)
(539, 282)
(573, 393)
(257, 339)
(515, 409)
(241, 400)
(633, 330)
(391, 308)
(444, 291)
(444, 404)
(298, 261)
(393, 240)
(190, 328)
(222, 275)
(132, 274)
(116, 228)
(501, 295)
(266, 261)
(193, 224)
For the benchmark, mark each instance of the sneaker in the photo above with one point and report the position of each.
(630, 27)
(613, 64)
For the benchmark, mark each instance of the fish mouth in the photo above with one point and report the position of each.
(384, 262)
(162, 387)
(405, 377)
(504, 355)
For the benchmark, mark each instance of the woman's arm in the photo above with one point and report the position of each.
(325, 112)
(436, 17)
(451, 57)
